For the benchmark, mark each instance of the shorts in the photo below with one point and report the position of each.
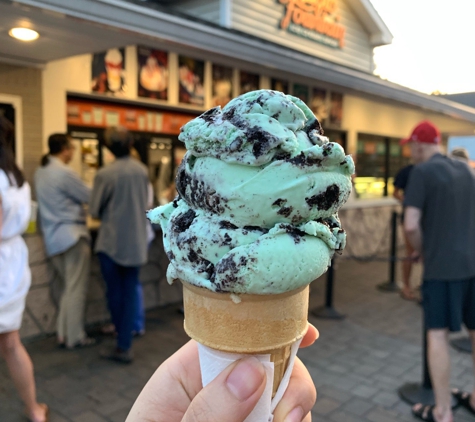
(448, 303)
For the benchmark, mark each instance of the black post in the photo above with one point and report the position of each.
(413, 392)
(327, 311)
(390, 286)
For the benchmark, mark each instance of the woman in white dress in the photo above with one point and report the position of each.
(15, 274)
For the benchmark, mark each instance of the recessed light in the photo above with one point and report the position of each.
(23, 34)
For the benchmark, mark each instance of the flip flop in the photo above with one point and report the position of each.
(463, 399)
(410, 297)
(425, 413)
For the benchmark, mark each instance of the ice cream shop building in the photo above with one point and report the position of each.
(153, 65)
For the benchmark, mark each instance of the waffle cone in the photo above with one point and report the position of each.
(258, 324)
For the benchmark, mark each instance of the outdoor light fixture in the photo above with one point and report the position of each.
(23, 34)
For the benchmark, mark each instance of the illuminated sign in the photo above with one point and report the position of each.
(314, 19)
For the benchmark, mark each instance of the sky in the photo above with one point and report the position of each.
(432, 48)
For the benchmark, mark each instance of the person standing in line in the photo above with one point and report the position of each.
(15, 276)
(61, 198)
(400, 183)
(440, 225)
(119, 199)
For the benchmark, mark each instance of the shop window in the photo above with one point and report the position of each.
(378, 159)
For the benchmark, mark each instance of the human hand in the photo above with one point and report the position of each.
(174, 392)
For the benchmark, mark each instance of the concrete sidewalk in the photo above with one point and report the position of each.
(357, 364)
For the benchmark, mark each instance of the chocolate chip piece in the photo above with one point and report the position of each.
(223, 224)
(279, 202)
(303, 160)
(210, 115)
(325, 200)
(183, 222)
(285, 211)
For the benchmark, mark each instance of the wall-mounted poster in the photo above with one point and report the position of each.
(336, 108)
(279, 85)
(248, 82)
(191, 74)
(108, 72)
(152, 73)
(301, 91)
(222, 85)
(318, 104)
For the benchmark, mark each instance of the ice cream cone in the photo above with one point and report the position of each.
(247, 324)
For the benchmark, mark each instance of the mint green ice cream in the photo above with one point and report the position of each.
(259, 189)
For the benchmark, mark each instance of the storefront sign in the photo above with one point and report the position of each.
(314, 19)
(94, 115)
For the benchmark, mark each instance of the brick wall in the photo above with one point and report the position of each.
(42, 301)
(27, 84)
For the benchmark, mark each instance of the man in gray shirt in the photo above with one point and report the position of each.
(119, 199)
(440, 224)
(61, 198)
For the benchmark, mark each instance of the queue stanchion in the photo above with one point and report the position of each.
(414, 392)
(463, 344)
(327, 311)
(390, 286)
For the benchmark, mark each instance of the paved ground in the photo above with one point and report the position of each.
(357, 364)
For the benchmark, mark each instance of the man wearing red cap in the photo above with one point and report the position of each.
(440, 224)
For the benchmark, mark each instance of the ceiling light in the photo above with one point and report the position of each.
(23, 34)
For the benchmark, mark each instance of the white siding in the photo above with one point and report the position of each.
(203, 9)
(262, 18)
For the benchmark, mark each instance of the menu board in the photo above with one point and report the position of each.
(90, 114)
(152, 73)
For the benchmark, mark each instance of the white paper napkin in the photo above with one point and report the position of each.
(213, 362)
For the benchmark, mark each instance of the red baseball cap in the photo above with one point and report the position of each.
(424, 132)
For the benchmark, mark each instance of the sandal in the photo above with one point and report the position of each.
(463, 399)
(410, 296)
(424, 413)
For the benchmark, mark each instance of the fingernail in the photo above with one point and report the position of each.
(296, 415)
(245, 378)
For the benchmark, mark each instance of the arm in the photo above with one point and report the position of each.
(412, 227)
(1, 216)
(99, 197)
(75, 188)
(398, 194)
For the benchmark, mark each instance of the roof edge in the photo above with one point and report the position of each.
(379, 32)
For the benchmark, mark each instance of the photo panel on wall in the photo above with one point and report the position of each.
(222, 85)
(191, 80)
(279, 85)
(108, 72)
(153, 73)
(248, 82)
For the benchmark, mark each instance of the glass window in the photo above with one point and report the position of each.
(378, 159)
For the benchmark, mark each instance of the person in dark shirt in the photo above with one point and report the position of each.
(440, 224)
(400, 183)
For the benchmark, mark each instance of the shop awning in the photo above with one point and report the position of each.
(133, 22)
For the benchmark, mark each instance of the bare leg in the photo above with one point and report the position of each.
(439, 368)
(21, 370)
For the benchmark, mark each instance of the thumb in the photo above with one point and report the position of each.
(231, 396)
